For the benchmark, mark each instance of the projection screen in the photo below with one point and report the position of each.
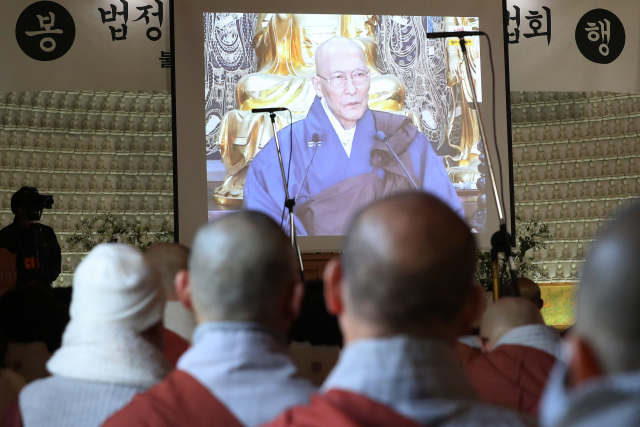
(377, 72)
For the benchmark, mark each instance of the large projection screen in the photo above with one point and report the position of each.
(232, 56)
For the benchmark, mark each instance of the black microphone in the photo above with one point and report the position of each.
(315, 138)
(454, 34)
(381, 136)
(268, 110)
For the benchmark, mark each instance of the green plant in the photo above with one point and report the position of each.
(107, 228)
(530, 234)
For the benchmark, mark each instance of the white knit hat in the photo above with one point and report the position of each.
(114, 285)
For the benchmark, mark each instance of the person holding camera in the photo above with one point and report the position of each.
(39, 258)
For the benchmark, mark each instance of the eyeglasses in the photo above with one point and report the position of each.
(339, 80)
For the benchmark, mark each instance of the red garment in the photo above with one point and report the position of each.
(174, 346)
(466, 353)
(512, 376)
(180, 400)
(339, 408)
(12, 416)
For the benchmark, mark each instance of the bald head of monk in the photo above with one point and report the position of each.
(168, 259)
(504, 315)
(242, 268)
(528, 289)
(607, 329)
(408, 268)
(342, 79)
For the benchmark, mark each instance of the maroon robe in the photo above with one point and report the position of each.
(174, 346)
(340, 202)
(179, 400)
(339, 408)
(12, 416)
(466, 353)
(512, 376)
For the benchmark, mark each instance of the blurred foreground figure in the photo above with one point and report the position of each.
(519, 353)
(243, 286)
(112, 347)
(403, 292)
(601, 385)
(168, 259)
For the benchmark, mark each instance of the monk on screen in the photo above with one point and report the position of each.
(337, 161)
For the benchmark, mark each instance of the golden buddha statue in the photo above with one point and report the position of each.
(463, 166)
(285, 47)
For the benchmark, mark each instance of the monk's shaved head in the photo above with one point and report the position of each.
(167, 259)
(608, 300)
(242, 267)
(528, 289)
(409, 260)
(337, 61)
(506, 314)
(334, 48)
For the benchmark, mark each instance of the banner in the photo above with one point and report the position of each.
(84, 45)
(568, 45)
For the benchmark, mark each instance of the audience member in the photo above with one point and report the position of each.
(168, 259)
(403, 292)
(519, 351)
(512, 322)
(111, 348)
(528, 289)
(38, 256)
(315, 336)
(243, 286)
(32, 322)
(601, 384)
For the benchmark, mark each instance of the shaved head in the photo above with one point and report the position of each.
(528, 289)
(409, 261)
(608, 300)
(337, 60)
(506, 314)
(167, 259)
(242, 268)
(332, 48)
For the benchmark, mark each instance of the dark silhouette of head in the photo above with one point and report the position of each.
(528, 289)
(408, 268)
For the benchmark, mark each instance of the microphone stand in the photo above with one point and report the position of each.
(500, 240)
(385, 139)
(288, 203)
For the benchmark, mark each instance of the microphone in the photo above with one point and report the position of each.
(458, 34)
(380, 136)
(268, 110)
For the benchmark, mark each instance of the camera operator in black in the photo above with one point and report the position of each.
(38, 253)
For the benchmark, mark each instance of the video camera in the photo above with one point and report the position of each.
(33, 202)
